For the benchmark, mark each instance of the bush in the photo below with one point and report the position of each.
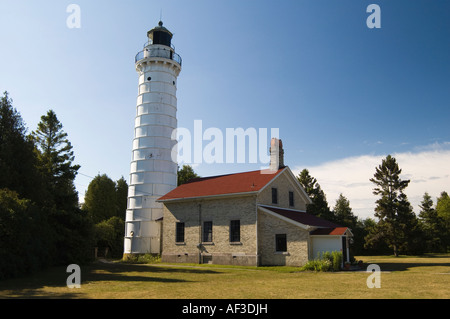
(142, 259)
(109, 233)
(23, 229)
(325, 261)
(317, 265)
(337, 260)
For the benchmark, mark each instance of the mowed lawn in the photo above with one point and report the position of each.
(402, 277)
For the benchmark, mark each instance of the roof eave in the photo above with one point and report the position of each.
(286, 219)
(180, 199)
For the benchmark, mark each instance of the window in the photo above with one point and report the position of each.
(280, 242)
(274, 196)
(235, 231)
(179, 233)
(207, 232)
(291, 199)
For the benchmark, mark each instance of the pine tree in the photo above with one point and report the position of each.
(343, 213)
(397, 222)
(319, 206)
(18, 160)
(56, 161)
(443, 211)
(432, 225)
(121, 197)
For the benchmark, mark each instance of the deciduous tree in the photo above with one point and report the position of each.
(185, 174)
(100, 200)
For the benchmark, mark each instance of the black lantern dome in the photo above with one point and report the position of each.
(160, 35)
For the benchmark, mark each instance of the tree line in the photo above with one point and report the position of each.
(41, 221)
(397, 230)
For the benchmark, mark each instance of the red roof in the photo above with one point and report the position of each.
(330, 231)
(223, 184)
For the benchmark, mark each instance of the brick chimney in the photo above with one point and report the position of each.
(276, 154)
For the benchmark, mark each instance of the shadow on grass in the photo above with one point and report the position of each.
(403, 263)
(34, 286)
(387, 266)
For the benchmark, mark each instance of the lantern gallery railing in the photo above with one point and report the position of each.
(158, 53)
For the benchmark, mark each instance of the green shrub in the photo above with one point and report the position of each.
(326, 255)
(337, 260)
(142, 259)
(325, 261)
(109, 233)
(318, 265)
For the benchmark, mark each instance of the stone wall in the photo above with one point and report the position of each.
(220, 211)
(297, 242)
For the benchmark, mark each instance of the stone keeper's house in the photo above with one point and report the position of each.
(251, 218)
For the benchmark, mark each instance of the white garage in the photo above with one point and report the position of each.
(331, 239)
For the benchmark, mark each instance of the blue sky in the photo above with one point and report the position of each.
(338, 91)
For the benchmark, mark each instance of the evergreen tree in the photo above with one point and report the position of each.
(24, 233)
(185, 174)
(443, 211)
(373, 238)
(39, 227)
(397, 223)
(121, 197)
(319, 206)
(432, 225)
(56, 161)
(72, 230)
(18, 160)
(343, 213)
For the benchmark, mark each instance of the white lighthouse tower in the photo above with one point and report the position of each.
(153, 172)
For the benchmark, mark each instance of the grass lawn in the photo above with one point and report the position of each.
(402, 277)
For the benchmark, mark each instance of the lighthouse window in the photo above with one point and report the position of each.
(149, 79)
(173, 82)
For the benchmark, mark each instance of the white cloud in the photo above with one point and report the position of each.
(428, 170)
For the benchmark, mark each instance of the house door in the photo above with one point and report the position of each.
(344, 248)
